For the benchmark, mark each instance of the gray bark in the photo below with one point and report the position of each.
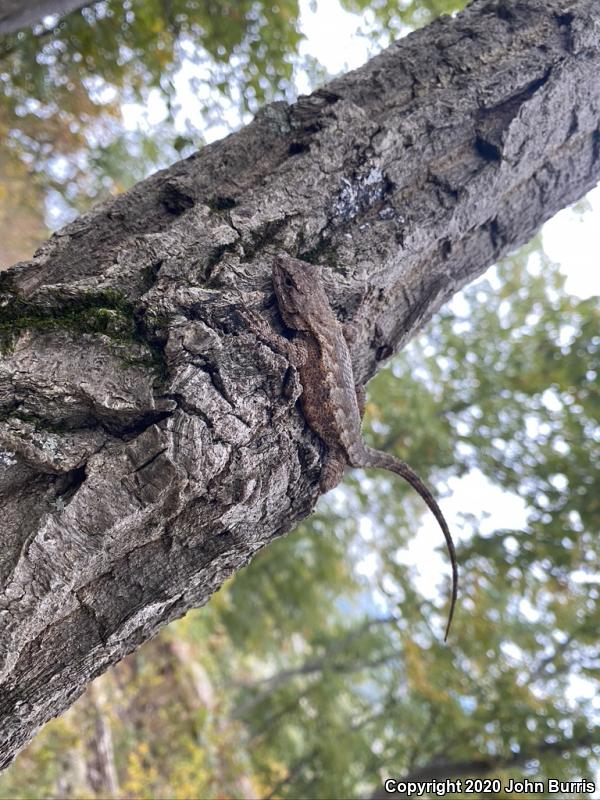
(150, 444)
(17, 14)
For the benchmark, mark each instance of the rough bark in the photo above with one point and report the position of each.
(150, 444)
(17, 14)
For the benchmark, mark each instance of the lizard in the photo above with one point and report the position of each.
(332, 403)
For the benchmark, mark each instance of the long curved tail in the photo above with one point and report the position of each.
(380, 460)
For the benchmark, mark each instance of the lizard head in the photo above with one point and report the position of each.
(298, 290)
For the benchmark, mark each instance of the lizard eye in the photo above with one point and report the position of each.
(289, 283)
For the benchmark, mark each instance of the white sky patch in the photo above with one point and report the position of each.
(582, 577)
(572, 239)
(99, 90)
(475, 494)
(193, 89)
(583, 689)
(136, 116)
(459, 306)
(512, 652)
(531, 613)
(332, 37)
(368, 564)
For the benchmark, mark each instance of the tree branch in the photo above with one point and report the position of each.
(325, 661)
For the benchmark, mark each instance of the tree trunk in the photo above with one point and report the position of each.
(16, 14)
(150, 444)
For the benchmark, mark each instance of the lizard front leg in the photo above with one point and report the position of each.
(293, 351)
(332, 471)
(334, 460)
(263, 331)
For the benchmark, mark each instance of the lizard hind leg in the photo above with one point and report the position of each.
(361, 399)
(332, 472)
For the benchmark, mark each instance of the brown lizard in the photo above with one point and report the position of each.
(332, 403)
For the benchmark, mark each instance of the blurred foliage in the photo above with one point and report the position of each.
(386, 20)
(21, 210)
(319, 669)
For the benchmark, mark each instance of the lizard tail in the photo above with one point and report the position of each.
(379, 459)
